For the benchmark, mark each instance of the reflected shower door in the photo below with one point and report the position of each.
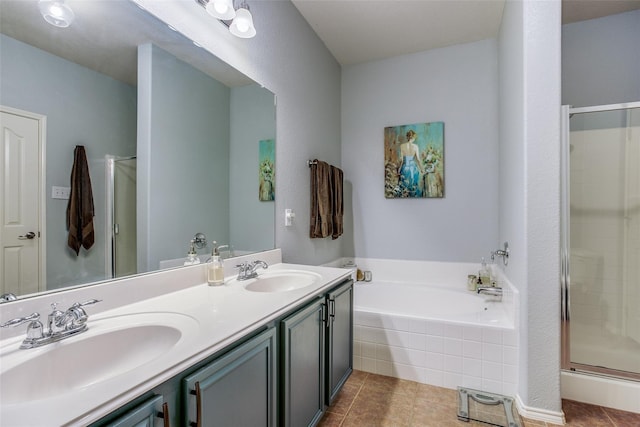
(604, 240)
(124, 260)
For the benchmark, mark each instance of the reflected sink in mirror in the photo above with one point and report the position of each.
(281, 281)
(111, 347)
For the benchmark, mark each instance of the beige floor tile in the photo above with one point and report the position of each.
(345, 398)
(370, 400)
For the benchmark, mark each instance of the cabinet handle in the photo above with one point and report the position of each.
(198, 422)
(332, 310)
(324, 314)
(165, 415)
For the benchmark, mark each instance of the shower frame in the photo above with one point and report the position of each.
(565, 276)
(110, 249)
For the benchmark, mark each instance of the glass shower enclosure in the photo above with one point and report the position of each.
(601, 240)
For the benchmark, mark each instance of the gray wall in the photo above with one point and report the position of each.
(183, 157)
(601, 60)
(83, 107)
(289, 59)
(529, 56)
(252, 120)
(457, 85)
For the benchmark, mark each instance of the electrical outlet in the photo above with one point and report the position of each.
(60, 192)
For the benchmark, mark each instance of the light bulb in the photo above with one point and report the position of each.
(221, 9)
(56, 12)
(242, 25)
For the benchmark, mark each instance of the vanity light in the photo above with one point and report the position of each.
(56, 12)
(239, 21)
(242, 25)
(221, 9)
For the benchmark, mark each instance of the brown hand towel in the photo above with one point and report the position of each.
(320, 200)
(80, 209)
(336, 202)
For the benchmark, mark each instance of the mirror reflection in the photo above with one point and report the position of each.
(171, 135)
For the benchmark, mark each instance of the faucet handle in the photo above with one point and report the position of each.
(20, 320)
(82, 304)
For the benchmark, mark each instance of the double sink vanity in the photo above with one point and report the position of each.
(167, 349)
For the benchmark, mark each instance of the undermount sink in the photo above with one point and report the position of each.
(282, 281)
(111, 347)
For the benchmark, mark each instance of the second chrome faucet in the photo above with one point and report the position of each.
(248, 270)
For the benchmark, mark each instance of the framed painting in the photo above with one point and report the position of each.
(266, 170)
(414, 161)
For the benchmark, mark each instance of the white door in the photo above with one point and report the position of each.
(20, 196)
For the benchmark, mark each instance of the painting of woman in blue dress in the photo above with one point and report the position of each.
(414, 166)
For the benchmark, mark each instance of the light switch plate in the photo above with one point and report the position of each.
(60, 192)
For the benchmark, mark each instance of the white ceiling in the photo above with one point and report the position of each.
(357, 31)
(105, 33)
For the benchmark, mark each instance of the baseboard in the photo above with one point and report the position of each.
(598, 390)
(539, 414)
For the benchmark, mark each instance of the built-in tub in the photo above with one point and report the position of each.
(434, 332)
(430, 302)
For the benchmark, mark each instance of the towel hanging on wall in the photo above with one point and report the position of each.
(326, 200)
(336, 202)
(80, 210)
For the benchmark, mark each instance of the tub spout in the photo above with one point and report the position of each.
(491, 291)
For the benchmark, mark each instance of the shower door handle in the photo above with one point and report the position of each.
(30, 235)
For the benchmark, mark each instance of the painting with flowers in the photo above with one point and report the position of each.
(414, 161)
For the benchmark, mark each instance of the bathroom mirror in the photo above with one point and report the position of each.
(171, 132)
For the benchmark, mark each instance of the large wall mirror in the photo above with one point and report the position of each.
(174, 139)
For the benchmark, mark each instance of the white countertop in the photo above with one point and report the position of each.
(213, 316)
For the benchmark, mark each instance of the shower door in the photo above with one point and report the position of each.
(601, 239)
(122, 235)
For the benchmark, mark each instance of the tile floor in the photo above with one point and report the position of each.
(369, 400)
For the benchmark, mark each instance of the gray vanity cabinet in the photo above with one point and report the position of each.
(302, 365)
(237, 389)
(339, 339)
(316, 356)
(151, 413)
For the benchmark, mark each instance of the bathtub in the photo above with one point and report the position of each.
(417, 321)
(429, 302)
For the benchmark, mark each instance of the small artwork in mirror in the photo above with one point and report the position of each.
(267, 159)
(414, 161)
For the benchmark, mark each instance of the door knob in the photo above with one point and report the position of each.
(30, 235)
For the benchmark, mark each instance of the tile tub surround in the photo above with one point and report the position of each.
(435, 351)
(368, 400)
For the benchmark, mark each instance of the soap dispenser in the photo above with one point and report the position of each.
(192, 256)
(215, 269)
(484, 275)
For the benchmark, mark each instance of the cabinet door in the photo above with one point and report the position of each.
(303, 359)
(339, 338)
(147, 414)
(238, 389)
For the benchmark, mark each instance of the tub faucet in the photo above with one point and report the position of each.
(247, 270)
(491, 291)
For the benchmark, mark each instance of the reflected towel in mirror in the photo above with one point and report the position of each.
(80, 209)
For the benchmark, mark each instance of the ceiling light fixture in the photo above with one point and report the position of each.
(242, 25)
(239, 21)
(221, 9)
(56, 12)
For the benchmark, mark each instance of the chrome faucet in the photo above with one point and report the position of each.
(491, 291)
(247, 270)
(7, 297)
(60, 325)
